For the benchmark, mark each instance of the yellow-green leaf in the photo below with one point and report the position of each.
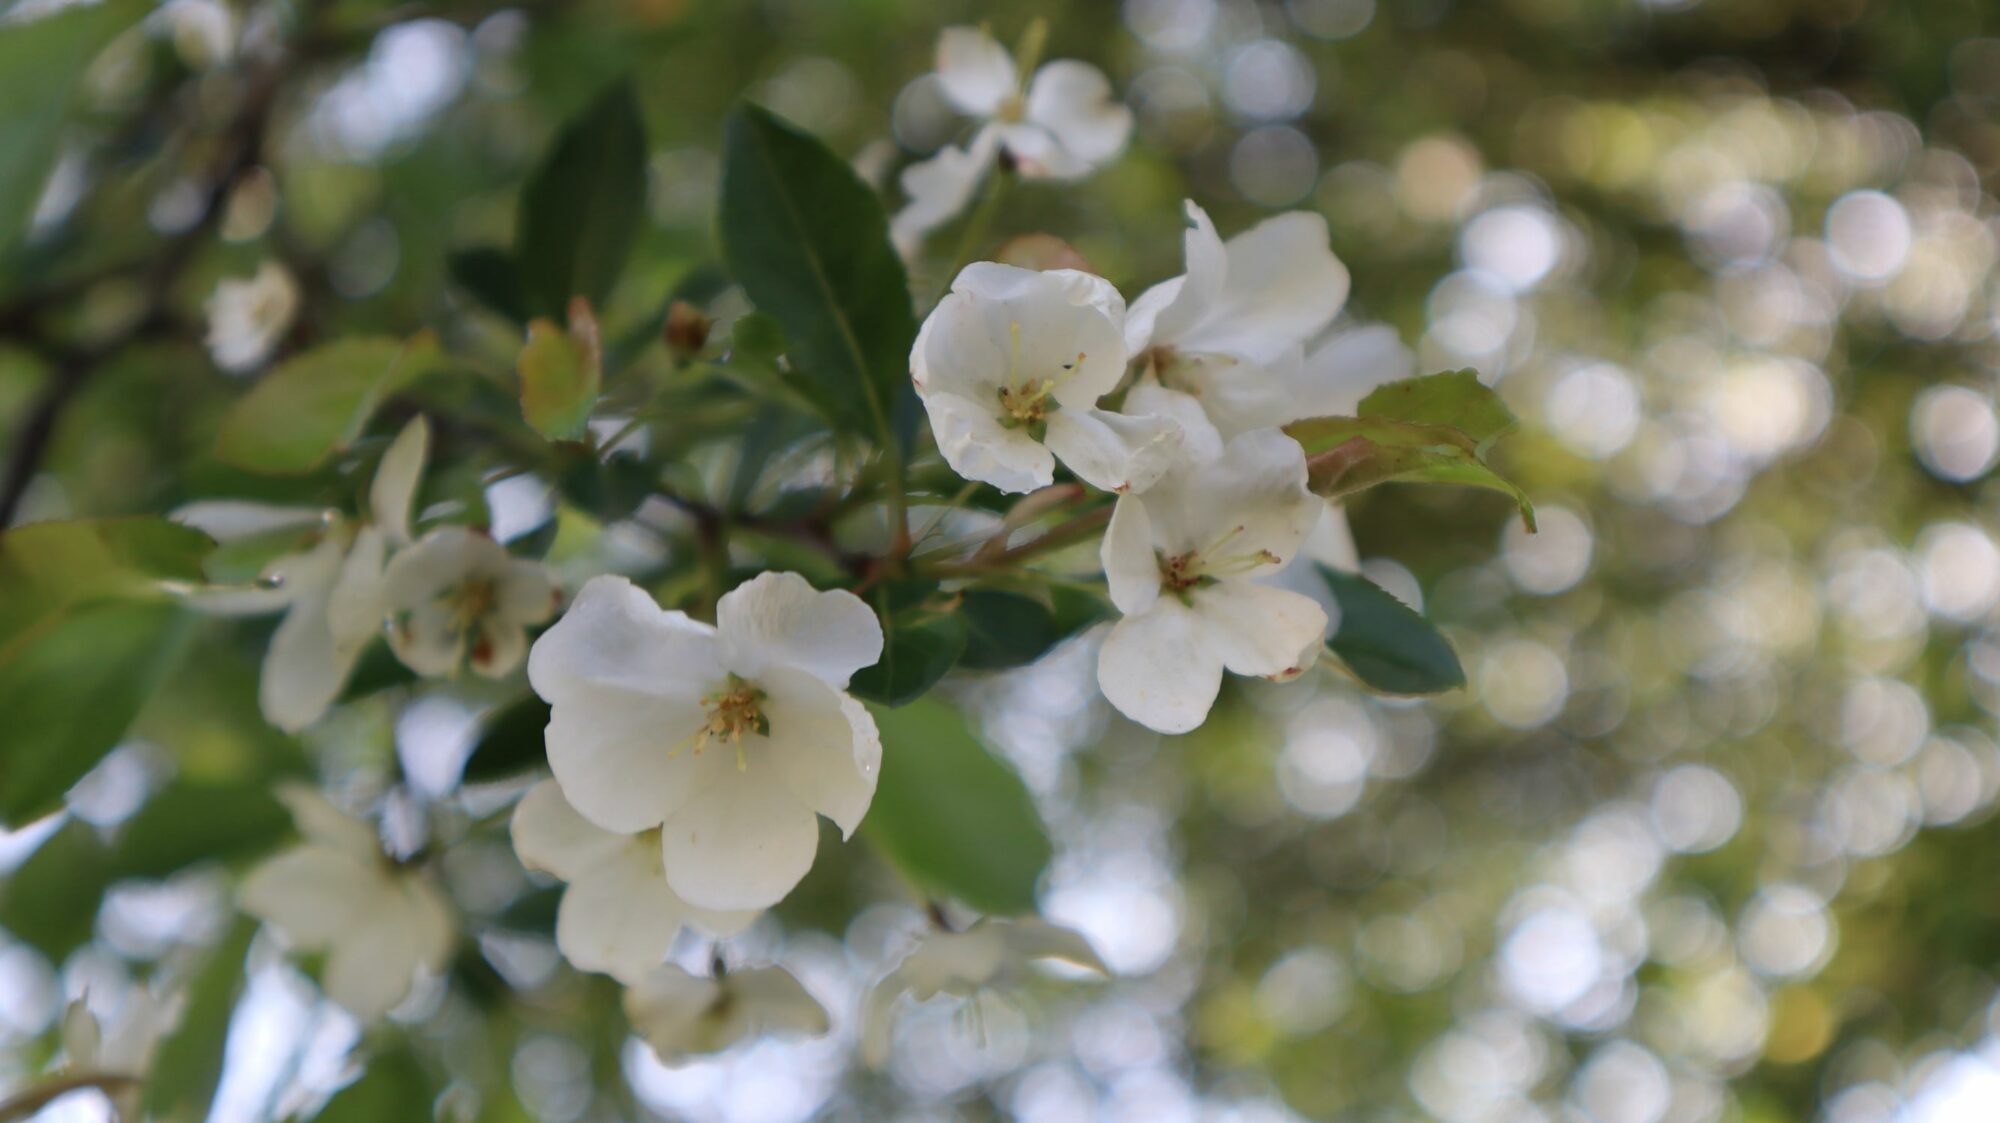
(317, 403)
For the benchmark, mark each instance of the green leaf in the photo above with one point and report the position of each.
(951, 817)
(561, 372)
(511, 742)
(809, 243)
(317, 403)
(46, 569)
(1009, 629)
(50, 902)
(919, 646)
(192, 821)
(1386, 643)
(1345, 455)
(581, 209)
(393, 1089)
(490, 275)
(41, 64)
(1455, 398)
(189, 1061)
(69, 691)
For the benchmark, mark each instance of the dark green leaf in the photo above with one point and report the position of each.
(50, 902)
(1386, 643)
(1005, 629)
(317, 403)
(192, 821)
(490, 275)
(41, 62)
(510, 742)
(189, 1061)
(48, 568)
(69, 691)
(918, 647)
(956, 821)
(1455, 398)
(581, 209)
(393, 1089)
(809, 243)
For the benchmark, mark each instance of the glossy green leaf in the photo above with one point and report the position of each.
(392, 1089)
(954, 819)
(489, 274)
(919, 647)
(48, 568)
(41, 64)
(510, 742)
(317, 403)
(69, 691)
(1454, 398)
(189, 1061)
(809, 243)
(581, 210)
(1345, 455)
(1386, 643)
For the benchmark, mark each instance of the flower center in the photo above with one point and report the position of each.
(1209, 564)
(730, 715)
(471, 602)
(1025, 400)
(1013, 109)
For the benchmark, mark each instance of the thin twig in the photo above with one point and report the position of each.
(42, 1095)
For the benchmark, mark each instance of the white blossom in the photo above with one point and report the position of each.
(990, 952)
(125, 1046)
(456, 597)
(1182, 562)
(618, 914)
(331, 592)
(337, 892)
(681, 1015)
(1010, 366)
(1063, 125)
(1231, 331)
(729, 738)
(247, 316)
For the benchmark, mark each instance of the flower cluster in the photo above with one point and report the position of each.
(1015, 368)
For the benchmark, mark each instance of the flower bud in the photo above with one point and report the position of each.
(686, 332)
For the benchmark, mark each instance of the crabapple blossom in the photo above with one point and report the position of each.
(729, 739)
(618, 914)
(247, 316)
(1010, 366)
(1231, 331)
(330, 592)
(1063, 125)
(456, 597)
(680, 1015)
(337, 892)
(1182, 562)
(989, 952)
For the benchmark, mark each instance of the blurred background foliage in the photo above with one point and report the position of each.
(1709, 835)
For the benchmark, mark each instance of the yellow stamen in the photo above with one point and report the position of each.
(1208, 563)
(1026, 400)
(731, 715)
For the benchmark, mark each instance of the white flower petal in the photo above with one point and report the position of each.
(1236, 393)
(623, 758)
(1035, 938)
(777, 1002)
(1004, 325)
(526, 594)
(354, 607)
(1113, 451)
(1340, 371)
(394, 490)
(1176, 312)
(615, 634)
(939, 188)
(669, 1008)
(977, 447)
(435, 563)
(1282, 285)
(319, 821)
(550, 835)
(742, 843)
(620, 918)
(1258, 630)
(823, 744)
(780, 620)
(80, 1036)
(976, 72)
(370, 968)
(428, 641)
(1073, 101)
(1160, 669)
(312, 893)
(228, 519)
(1131, 567)
(1200, 440)
(305, 666)
(1254, 496)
